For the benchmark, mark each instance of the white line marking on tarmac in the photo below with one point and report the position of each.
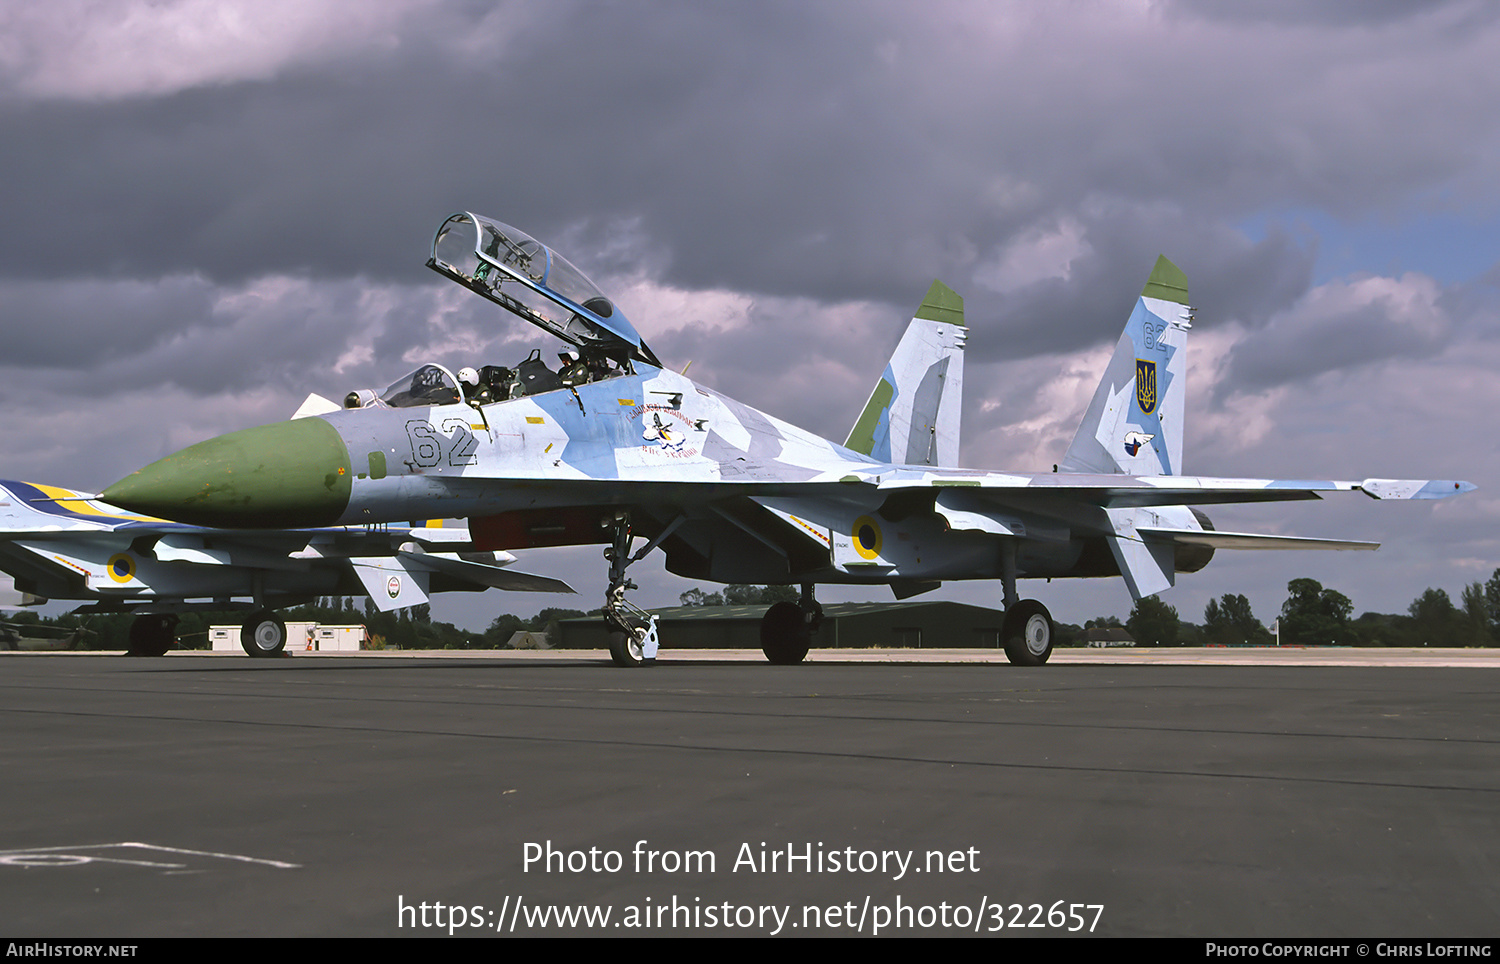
(71, 857)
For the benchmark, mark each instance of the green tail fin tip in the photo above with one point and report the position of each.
(1167, 282)
(942, 304)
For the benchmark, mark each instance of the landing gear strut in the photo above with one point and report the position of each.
(151, 635)
(632, 630)
(1028, 629)
(787, 627)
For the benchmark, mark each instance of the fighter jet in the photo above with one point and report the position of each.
(614, 446)
(56, 543)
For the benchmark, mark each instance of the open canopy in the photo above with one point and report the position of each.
(521, 274)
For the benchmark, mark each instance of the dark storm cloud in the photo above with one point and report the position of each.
(798, 153)
(795, 152)
(1235, 279)
(701, 124)
(85, 322)
(1329, 12)
(1350, 324)
(183, 333)
(1298, 345)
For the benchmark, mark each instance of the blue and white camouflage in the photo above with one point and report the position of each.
(617, 447)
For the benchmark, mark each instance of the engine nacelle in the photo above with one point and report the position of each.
(1095, 560)
(1192, 558)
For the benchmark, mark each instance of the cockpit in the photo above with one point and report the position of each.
(428, 385)
(435, 385)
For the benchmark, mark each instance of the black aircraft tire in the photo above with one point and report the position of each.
(151, 635)
(626, 648)
(263, 636)
(784, 636)
(1028, 633)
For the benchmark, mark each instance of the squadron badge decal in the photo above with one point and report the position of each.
(1134, 441)
(665, 431)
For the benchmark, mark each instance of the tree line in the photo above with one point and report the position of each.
(1313, 615)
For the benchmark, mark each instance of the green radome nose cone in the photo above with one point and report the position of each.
(287, 475)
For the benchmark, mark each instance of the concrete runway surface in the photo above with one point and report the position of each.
(1241, 793)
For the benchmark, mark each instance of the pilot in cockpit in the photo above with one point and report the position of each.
(496, 383)
(492, 383)
(574, 371)
(468, 380)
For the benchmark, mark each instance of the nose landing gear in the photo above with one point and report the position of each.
(632, 631)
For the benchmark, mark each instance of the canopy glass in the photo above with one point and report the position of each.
(519, 273)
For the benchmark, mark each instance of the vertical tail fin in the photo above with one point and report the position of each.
(912, 417)
(1134, 423)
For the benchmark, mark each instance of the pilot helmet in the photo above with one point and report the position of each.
(468, 376)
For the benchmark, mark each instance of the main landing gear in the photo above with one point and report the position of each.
(152, 634)
(263, 635)
(787, 627)
(1028, 632)
(632, 630)
(1028, 629)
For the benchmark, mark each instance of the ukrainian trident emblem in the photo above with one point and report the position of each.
(1145, 385)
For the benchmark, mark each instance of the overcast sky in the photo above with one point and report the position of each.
(211, 209)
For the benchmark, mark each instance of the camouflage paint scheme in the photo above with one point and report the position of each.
(732, 494)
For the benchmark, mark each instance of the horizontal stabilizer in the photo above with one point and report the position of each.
(1415, 488)
(1248, 540)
